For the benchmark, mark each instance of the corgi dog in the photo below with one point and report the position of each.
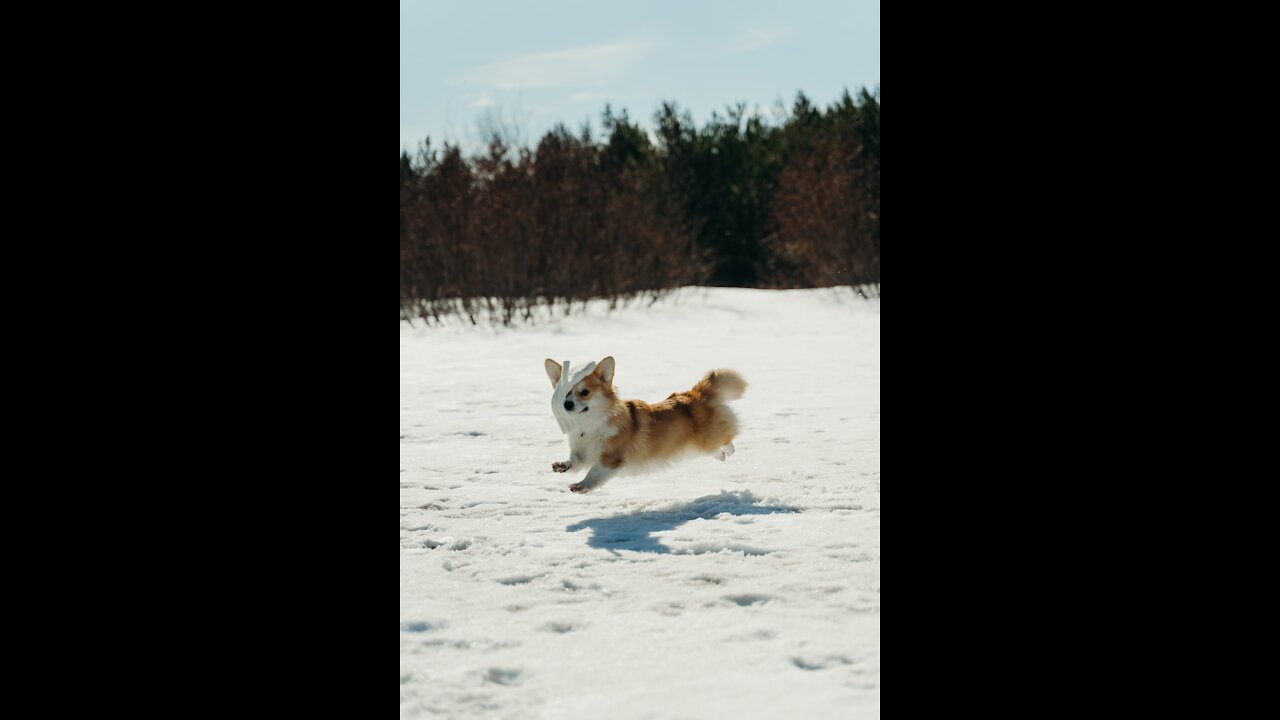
(608, 435)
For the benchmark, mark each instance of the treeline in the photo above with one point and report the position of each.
(788, 201)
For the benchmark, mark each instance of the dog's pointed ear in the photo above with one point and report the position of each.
(605, 370)
(553, 371)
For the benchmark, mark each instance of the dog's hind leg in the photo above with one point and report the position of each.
(596, 476)
(724, 452)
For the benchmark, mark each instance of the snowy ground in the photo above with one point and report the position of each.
(743, 589)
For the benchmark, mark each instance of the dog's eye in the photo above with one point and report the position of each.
(583, 393)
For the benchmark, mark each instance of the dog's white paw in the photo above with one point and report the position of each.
(578, 488)
(724, 452)
(560, 466)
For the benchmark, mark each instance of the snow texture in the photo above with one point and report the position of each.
(748, 588)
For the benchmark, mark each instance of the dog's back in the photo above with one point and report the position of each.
(697, 421)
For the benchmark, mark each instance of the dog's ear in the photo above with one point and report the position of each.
(553, 371)
(605, 370)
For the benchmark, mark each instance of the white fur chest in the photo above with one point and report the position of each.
(587, 442)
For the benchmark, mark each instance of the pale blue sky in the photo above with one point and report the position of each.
(540, 62)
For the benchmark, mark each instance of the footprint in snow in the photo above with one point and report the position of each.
(518, 579)
(558, 627)
(670, 609)
(502, 676)
(820, 663)
(708, 579)
(749, 599)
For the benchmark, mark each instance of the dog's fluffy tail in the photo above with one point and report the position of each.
(720, 386)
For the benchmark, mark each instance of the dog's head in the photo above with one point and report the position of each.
(576, 393)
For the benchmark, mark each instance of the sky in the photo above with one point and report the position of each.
(466, 65)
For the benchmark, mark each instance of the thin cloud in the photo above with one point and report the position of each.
(753, 40)
(592, 66)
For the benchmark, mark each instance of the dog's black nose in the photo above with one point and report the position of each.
(568, 404)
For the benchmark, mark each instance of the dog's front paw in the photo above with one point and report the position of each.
(578, 488)
(560, 466)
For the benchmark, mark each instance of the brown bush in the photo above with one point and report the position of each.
(500, 236)
(827, 217)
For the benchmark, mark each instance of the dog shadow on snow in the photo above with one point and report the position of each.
(635, 531)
